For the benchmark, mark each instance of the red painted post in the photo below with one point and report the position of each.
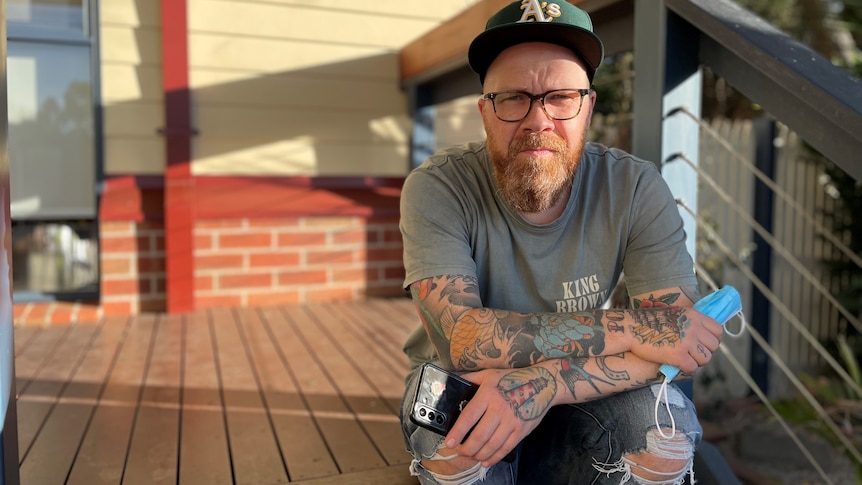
(179, 183)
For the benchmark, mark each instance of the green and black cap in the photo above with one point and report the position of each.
(537, 21)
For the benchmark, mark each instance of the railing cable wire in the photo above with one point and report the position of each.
(774, 300)
(818, 408)
(781, 193)
(760, 394)
(772, 241)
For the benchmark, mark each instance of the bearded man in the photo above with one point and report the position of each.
(512, 246)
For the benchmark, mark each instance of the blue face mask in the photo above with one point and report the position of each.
(721, 306)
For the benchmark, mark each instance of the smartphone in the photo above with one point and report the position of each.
(440, 398)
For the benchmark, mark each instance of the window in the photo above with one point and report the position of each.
(52, 140)
(51, 149)
(47, 18)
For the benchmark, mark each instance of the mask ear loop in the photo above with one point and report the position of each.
(662, 392)
(742, 326)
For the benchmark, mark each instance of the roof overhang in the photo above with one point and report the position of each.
(442, 52)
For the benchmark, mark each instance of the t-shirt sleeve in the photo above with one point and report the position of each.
(656, 256)
(434, 228)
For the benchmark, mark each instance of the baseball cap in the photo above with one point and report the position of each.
(537, 21)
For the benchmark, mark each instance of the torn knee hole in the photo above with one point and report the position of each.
(450, 475)
(651, 469)
(665, 460)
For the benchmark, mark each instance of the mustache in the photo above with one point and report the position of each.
(530, 141)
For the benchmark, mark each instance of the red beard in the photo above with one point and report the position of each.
(535, 183)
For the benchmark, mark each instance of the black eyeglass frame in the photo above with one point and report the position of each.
(537, 97)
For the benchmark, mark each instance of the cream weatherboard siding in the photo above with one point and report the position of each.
(279, 87)
(131, 81)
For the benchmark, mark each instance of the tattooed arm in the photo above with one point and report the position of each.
(472, 337)
(511, 403)
(533, 361)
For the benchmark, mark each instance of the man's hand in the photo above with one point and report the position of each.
(678, 336)
(507, 407)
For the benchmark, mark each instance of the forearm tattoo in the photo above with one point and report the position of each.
(572, 371)
(474, 337)
(562, 335)
(528, 391)
(531, 391)
(662, 327)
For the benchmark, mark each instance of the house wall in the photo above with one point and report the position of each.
(299, 89)
(131, 87)
(301, 132)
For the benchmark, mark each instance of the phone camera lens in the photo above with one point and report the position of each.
(422, 412)
(439, 419)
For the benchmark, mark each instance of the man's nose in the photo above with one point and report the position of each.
(537, 118)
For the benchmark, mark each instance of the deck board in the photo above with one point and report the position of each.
(303, 448)
(55, 448)
(48, 458)
(102, 457)
(350, 446)
(366, 379)
(204, 452)
(23, 336)
(31, 359)
(154, 447)
(47, 381)
(254, 450)
(300, 394)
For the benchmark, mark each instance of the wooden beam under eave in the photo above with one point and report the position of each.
(448, 43)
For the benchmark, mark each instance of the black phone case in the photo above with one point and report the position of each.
(440, 397)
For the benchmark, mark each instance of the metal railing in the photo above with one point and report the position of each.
(763, 213)
(795, 335)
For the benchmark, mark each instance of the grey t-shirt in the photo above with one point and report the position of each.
(621, 217)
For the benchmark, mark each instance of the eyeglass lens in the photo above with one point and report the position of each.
(515, 105)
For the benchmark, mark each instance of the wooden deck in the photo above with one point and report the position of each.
(304, 394)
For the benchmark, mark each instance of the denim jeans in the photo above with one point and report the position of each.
(575, 444)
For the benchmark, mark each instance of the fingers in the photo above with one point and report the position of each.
(465, 423)
(489, 425)
(490, 440)
(699, 352)
(478, 421)
(714, 327)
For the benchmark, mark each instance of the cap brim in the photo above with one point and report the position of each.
(490, 43)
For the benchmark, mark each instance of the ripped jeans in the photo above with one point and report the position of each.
(579, 444)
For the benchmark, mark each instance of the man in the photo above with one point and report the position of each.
(512, 245)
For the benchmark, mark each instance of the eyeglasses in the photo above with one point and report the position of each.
(559, 104)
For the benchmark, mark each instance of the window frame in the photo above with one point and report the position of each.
(88, 37)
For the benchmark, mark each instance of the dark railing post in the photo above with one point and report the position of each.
(764, 134)
(672, 79)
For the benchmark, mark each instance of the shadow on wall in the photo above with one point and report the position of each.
(340, 119)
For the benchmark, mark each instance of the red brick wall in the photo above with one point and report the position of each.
(255, 262)
(132, 267)
(257, 242)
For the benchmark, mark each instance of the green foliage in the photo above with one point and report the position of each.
(846, 222)
(780, 13)
(838, 398)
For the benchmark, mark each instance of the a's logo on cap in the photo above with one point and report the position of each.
(536, 11)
